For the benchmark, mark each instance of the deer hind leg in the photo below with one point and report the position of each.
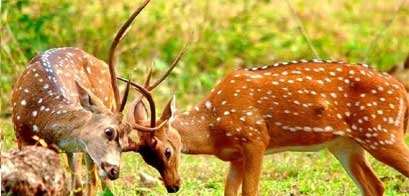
(73, 161)
(253, 153)
(91, 177)
(352, 158)
(234, 178)
(395, 155)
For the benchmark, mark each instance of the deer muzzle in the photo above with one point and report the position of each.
(112, 171)
(172, 189)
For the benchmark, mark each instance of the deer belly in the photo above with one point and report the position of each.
(229, 154)
(302, 147)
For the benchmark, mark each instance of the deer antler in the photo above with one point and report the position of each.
(125, 97)
(166, 74)
(151, 102)
(148, 97)
(118, 37)
(147, 87)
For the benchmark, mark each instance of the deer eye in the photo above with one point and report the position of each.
(110, 133)
(168, 153)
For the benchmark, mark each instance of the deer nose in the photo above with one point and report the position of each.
(112, 171)
(172, 189)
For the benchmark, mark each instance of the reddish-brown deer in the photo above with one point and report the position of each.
(70, 99)
(290, 106)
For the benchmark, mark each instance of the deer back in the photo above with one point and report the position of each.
(46, 91)
(314, 100)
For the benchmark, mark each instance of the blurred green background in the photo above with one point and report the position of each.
(225, 35)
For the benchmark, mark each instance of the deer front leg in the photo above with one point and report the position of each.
(253, 154)
(73, 160)
(234, 178)
(91, 178)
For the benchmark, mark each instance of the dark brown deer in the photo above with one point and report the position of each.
(70, 100)
(290, 106)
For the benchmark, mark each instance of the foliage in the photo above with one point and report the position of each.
(224, 35)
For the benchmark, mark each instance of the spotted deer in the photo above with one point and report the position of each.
(289, 106)
(71, 101)
(63, 98)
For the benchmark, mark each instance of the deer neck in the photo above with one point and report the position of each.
(193, 128)
(63, 126)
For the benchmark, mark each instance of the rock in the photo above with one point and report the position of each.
(33, 171)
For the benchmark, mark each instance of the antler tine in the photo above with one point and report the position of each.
(118, 37)
(125, 97)
(147, 82)
(148, 96)
(171, 67)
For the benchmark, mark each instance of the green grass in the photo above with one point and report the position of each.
(289, 173)
(226, 35)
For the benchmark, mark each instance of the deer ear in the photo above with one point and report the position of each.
(170, 109)
(154, 142)
(137, 112)
(89, 100)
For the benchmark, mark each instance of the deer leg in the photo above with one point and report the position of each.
(91, 178)
(253, 154)
(75, 176)
(395, 155)
(234, 178)
(352, 158)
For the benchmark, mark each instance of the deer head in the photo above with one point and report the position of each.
(155, 149)
(119, 139)
(103, 146)
(159, 146)
(145, 130)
